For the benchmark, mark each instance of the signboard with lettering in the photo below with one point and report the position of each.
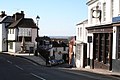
(116, 19)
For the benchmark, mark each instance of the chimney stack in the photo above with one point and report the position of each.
(18, 16)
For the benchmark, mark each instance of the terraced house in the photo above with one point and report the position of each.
(103, 29)
(18, 27)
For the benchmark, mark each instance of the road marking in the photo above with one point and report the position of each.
(19, 67)
(9, 61)
(37, 76)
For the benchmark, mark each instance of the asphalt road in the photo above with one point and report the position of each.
(16, 68)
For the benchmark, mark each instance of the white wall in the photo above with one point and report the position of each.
(34, 35)
(93, 21)
(4, 37)
(57, 50)
(80, 39)
(115, 44)
(0, 37)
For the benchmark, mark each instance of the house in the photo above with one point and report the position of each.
(13, 29)
(5, 21)
(52, 48)
(81, 44)
(21, 28)
(59, 50)
(103, 34)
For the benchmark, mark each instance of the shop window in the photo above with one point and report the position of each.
(101, 47)
(96, 46)
(118, 43)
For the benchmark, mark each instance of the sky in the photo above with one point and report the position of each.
(57, 17)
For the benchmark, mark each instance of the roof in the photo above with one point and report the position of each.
(6, 19)
(61, 44)
(85, 21)
(24, 23)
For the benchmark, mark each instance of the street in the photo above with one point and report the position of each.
(16, 68)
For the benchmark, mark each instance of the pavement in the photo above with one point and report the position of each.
(40, 61)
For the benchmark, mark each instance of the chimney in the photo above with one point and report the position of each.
(19, 15)
(2, 14)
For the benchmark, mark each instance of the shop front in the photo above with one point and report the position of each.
(102, 46)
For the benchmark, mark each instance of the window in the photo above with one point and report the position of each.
(25, 32)
(78, 33)
(11, 31)
(78, 51)
(112, 7)
(64, 48)
(96, 46)
(104, 11)
(118, 43)
(11, 45)
(81, 32)
(27, 39)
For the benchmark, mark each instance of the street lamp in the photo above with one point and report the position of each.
(96, 13)
(37, 19)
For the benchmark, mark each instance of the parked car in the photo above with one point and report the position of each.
(61, 61)
(53, 62)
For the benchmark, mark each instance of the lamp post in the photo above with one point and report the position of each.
(96, 13)
(37, 19)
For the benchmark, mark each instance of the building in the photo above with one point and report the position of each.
(15, 29)
(59, 50)
(52, 48)
(21, 27)
(81, 44)
(103, 29)
(5, 21)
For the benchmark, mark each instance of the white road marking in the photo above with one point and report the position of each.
(37, 76)
(19, 67)
(9, 61)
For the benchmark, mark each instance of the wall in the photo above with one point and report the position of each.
(4, 37)
(57, 50)
(12, 36)
(81, 37)
(0, 37)
(34, 35)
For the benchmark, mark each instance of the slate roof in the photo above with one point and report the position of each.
(24, 23)
(6, 19)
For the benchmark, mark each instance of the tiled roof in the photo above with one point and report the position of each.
(24, 22)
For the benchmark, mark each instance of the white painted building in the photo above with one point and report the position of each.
(103, 27)
(81, 40)
(59, 52)
(4, 22)
(22, 27)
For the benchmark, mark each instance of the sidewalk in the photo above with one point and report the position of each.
(38, 60)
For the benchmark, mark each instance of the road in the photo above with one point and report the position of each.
(16, 68)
